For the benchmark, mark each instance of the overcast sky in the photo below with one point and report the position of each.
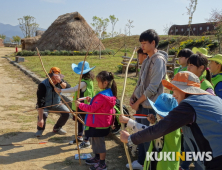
(146, 14)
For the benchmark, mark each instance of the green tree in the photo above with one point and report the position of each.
(216, 19)
(28, 25)
(16, 39)
(2, 36)
(113, 21)
(100, 26)
(190, 11)
(129, 25)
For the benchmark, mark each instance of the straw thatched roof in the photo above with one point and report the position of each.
(68, 32)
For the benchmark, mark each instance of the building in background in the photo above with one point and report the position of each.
(196, 29)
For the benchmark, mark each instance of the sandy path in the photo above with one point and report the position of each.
(18, 93)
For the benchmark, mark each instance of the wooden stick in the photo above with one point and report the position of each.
(55, 111)
(78, 93)
(12, 144)
(46, 106)
(121, 110)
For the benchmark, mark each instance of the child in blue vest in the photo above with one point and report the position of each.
(97, 125)
(86, 89)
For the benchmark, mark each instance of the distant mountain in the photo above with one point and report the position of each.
(10, 30)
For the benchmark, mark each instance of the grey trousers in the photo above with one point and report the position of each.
(62, 119)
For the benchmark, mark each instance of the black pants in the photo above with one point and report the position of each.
(80, 125)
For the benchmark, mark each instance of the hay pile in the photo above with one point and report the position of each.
(68, 32)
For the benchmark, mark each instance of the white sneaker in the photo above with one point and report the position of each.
(135, 165)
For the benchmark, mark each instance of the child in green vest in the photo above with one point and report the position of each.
(216, 70)
(168, 143)
(86, 89)
(197, 64)
(183, 56)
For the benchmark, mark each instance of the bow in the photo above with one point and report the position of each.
(62, 100)
(121, 109)
(78, 93)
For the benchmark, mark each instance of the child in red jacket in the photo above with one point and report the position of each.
(98, 126)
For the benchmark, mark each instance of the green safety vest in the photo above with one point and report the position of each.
(204, 83)
(216, 80)
(177, 70)
(88, 92)
(172, 143)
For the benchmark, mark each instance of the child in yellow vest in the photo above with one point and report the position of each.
(168, 143)
(216, 69)
(86, 89)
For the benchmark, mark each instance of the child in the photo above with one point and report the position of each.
(98, 126)
(86, 89)
(216, 69)
(183, 56)
(197, 64)
(167, 143)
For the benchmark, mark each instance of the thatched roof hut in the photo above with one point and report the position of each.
(29, 43)
(68, 32)
(39, 32)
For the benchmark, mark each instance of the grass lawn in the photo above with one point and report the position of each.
(64, 63)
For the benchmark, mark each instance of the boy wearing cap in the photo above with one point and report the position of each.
(197, 109)
(153, 71)
(169, 143)
(216, 69)
(47, 96)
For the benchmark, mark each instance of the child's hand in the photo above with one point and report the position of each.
(123, 119)
(57, 90)
(88, 99)
(151, 118)
(135, 106)
(77, 103)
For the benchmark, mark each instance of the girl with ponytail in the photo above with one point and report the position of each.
(197, 64)
(98, 126)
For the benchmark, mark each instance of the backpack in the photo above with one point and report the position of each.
(117, 108)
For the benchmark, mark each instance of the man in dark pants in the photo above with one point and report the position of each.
(153, 71)
(46, 96)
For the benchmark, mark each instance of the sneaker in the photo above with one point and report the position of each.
(74, 141)
(60, 131)
(84, 145)
(135, 165)
(39, 133)
(98, 166)
(92, 161)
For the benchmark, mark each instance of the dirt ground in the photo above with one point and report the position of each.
(18, 94)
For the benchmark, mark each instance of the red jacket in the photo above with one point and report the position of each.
(103, 102)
